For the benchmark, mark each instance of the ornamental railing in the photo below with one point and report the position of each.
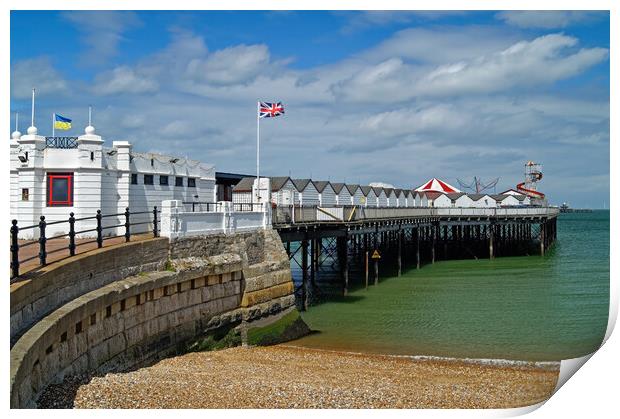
(61, 142)
(72, 244)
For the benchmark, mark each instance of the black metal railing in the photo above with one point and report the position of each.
(247, 207)
(198, 206)
(61, 142)
(72, 234)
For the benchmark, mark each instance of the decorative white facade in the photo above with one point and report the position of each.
(54, 177)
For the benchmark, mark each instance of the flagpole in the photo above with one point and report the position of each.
(90, 114)
(32, 114)
(53, 125)
(257, 151)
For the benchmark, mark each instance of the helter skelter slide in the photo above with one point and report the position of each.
(533, 174)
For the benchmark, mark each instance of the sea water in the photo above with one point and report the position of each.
(523, 308)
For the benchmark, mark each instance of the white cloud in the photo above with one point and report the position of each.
(441, 45)
(102, 30)
(123, 80)
(238, 64)
(369, 18)
(528, 63)
(542, 61)
(547, 19)
(38, 73)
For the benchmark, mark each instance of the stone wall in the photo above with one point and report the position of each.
(239, 282)
(43, 291)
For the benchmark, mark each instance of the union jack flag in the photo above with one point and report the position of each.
(270, 110)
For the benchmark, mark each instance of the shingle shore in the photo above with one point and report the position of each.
(291, 377)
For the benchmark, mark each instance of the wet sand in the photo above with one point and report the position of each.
(293, 377)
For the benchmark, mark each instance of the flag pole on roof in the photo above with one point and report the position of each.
(264, 110)
(32, 114)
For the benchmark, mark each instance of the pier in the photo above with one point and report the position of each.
(412, 236)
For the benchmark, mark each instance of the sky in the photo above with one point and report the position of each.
(395, 97)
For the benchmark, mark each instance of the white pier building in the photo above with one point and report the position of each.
(54, 176)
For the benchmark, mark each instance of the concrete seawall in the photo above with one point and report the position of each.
(237, 282)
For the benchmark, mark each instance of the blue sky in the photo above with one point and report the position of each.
(395, 97)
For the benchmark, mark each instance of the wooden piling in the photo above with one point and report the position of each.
(491, 239)
(417, 247)
(312, 261)
(433, 234)
(304, 274)
(542, 239)
(376, 261)
(366, 270)
(400, 252)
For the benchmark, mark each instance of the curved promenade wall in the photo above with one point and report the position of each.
(219, 282)
(39, 293)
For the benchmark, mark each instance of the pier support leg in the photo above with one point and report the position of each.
(376, 261)
(312, 261)
(304, 274)
(433, 240)
(400, 251)
(343, 250)
(491, 239)
(542, 239)
(417, 247)
(445, 242)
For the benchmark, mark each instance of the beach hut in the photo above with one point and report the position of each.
(327, 194)
(461, 200)
(357, 195)
(283, 191)
(410, 198)
(242, 191)
(381, 196)
(343, 196)
(305, 197)
(523, 199)
(421, 200)
(438, 200)
(400, 197)
(370, 196)
(308, 195)
(391, 199)
(403, 200)
(506, 200)
(483, 201)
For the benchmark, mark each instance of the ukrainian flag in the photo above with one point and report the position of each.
(62, 123)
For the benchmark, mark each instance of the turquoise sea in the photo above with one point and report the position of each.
(524, 308)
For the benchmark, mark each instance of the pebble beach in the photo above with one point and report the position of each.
(285, 376)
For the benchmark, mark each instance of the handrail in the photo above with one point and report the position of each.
(313, 214)
(72, 245)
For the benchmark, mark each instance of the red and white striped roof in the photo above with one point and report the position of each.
(437, 185)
